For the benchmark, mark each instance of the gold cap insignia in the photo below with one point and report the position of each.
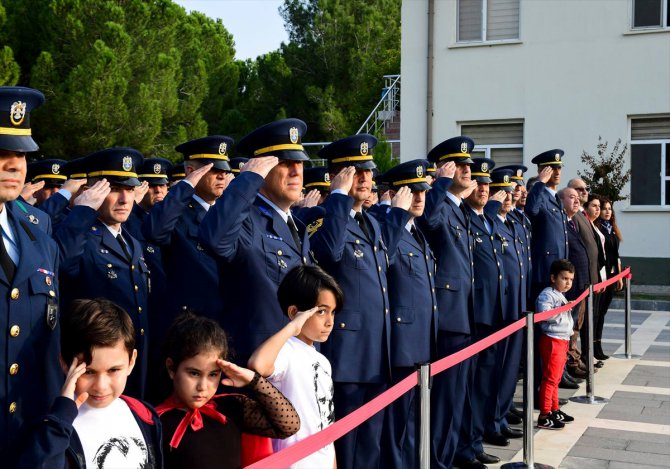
(293, 134)
(222, 148)
(419, 171)
(557, 157)
(506, 178)
(364, 148)
(326, 177)
(485, 167)
(157, 168)
(127, 163)
(240, 164)
(519, 172)
(464, 147)
(55, 168)
(17, 112)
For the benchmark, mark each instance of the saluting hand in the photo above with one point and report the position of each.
(261, 166)
(73, 185)
(446, 171)
(344, 179)
(499, 196)
(387, 196)
(301, 318)
(197, 174)
(76, 370)
(95, 195)
(29, 190)
(544, 175)
(311, 199)
(402, 199)
(140, 191)
(471, 187)
(236, 376)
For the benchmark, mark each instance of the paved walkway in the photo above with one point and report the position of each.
(632, 430)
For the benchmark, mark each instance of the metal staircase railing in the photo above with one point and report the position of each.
(385, 109)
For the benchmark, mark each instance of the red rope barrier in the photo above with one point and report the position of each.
(315, 442)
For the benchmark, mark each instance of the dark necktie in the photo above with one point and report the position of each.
(573, 226)
(124, 247)
(361, 222)
(294, 233)
(508, 224)
(6, 261)
(417, 236)
(465, 212)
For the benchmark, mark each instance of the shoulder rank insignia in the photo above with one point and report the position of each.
(33, 219)
(314, 226)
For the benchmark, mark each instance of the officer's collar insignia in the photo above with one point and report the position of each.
(293, 134)
(505, 178)
(33, 219)
(314, 226)
(419, 171)
(55, 168)
(485, 167)
(127, 163)
(557, 157)
(222, 148)
(364, 148)
(464, 147)
(326, 177)
(157, 168)
(17, 112)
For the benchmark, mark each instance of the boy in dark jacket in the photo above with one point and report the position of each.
(92, 424)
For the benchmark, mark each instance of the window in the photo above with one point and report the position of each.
(649, 14)
(488, 20)
(501, 142)
(650, 161)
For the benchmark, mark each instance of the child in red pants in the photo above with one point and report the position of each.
(556, 332)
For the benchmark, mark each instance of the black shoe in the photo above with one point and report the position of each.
(465, 464)
(513, 419)
(496, 439)
(517, 412)
(598, 351)
(485, 458)
(562, 401)
(562, 416)
(573, 379)
(599, 364)
(511, 432)
(567, 383)
(577, 372)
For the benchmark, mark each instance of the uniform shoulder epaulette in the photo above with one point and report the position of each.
(314, 226)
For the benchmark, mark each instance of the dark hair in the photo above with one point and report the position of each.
(190, 335)
(88, 324)
(301, 287)
(561, 265)
(604, 200)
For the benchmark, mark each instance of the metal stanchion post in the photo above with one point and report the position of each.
(528, 404)
(627, 323)
(590, 398)
(423, 416)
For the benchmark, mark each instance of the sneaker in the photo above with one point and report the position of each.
(562, 416)
(549, 423)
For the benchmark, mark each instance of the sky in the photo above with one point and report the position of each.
(255, 25)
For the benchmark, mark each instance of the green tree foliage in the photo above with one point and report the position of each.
(9, 69)
(605, 171)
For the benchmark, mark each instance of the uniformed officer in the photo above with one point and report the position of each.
(489, 295)
(31, 375)
(514, 262)
(175, 174)
(447, 227)
(58, 205)
(545, 210)
(101, 259)
(348, 243)
(173, 225)
(237, 163)
(316, 185)
(253, 234)
(411, 288)
(48, 171)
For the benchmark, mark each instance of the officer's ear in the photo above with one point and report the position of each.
(292, 311)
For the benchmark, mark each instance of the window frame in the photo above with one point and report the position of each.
(486, 148)
(664, 178)
(665, 21)
(484, 28)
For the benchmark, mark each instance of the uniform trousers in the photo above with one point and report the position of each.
(400, 430)
(513, 346)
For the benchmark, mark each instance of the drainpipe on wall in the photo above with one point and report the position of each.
(429, 83)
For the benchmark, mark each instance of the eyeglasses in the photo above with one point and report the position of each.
(583, 189)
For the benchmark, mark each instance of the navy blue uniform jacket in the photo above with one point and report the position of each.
(525, 231)
(255, 249)
(33, 215)
(448, 233)
(358, 347)
(30, 336)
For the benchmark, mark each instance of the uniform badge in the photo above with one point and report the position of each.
(240, 165)
(293, 134)
(314, 226)
(48, 280)
(157, 168)
(326, 177)
(282, 263)
(222, 148)
(199, 248)
(519, 172)
(111, 274)
(17, 112)
(150, 249)
(557, 157)
(33, 219)
(127, 163)
(55, 168)
(104, 251)
(485, 167)
(358, 253)
(52, 315)
(464, 147)
(478, 239)
(419, 171)
(506, 178)
(364, 148)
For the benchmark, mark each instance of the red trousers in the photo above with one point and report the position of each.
(553, 353)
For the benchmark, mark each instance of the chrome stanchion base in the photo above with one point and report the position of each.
(522, 465)
(589, 399)
(623, 356)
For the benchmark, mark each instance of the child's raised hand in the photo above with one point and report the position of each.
(236, 376)
(76, 370)
(301, 317)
